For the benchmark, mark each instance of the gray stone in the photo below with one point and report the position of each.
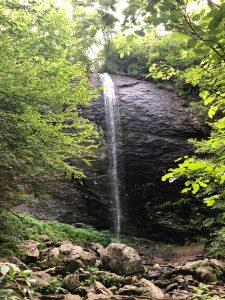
(121, 259)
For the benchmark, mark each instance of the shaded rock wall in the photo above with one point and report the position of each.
(154, 128)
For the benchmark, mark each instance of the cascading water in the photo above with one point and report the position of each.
(112, 122)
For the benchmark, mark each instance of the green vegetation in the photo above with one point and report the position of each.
(42, 83)
(44, 67)
(12, 275)
(16, 227)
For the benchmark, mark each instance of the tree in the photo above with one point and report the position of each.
(41, 86)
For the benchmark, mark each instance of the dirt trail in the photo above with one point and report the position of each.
(174, 255)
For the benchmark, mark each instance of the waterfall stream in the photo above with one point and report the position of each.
(112, 122)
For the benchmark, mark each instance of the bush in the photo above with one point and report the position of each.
(217, 247)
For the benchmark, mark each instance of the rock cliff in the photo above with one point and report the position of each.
(154, 128)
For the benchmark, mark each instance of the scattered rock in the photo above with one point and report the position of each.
(154, 275)
(192, 265)
(71, 282)
(150, 290)
(129, 290)
(207, 274)
(18, 262)
(42, 278)
(83, 275)
(121, 259)
(67, 247)
(218, 265)
(72, 297)
(172, 287)
(30, 248)
(97, 248)
(101, 289)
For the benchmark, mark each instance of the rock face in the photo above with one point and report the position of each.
(154, 128)
(121, 259)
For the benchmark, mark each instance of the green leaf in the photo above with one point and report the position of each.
(192, 43)
(210, 201)
(185, 190)
(212, 111)
(208, 222)
(195, 187)
(167, 176)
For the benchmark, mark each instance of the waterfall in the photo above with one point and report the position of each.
(112, 122)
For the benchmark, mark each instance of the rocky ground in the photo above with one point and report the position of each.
(62, 270)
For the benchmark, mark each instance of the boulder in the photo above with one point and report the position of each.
(121, 259)
(207, 274)
(150, 290)
(42, 278)
(192, 265)
(30, 249)
(219, 265)
(69, 256)
(71, 282)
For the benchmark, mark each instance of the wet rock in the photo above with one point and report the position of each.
(82, 291)
(71, 282)
(71, 265)
(121, 259)
(156, 128)
(150, 290)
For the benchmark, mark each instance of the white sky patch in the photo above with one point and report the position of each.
(67, 6)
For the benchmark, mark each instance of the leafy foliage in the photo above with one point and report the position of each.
(42, 84)
(13, 278)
